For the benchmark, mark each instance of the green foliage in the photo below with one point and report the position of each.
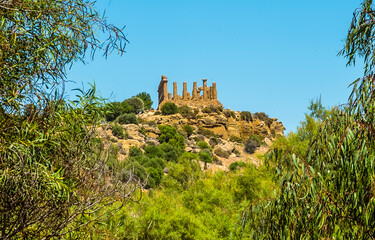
(171, 152)
(187, 112)
(229, 113)
(214, 141)
(235, 139)
(203, 145)
(127, 118)
(205, 156)
(169, 135)
(263, 117)
(205, 132)
(188, 129)
(118, 131)
(251, 145)
(326, 188)
(135, 151)
(246, 116)
(236, 165)
(115, 109)
(146, 98)
(169, 108)
(221, 153)
(136, 103)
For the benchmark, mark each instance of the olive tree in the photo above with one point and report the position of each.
(53, 173)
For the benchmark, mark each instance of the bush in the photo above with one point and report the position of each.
(236, 165)
(136, 103)
(187, 112)
(251, 145)
(221, 153)
(205, 157)
(135, 152)
(154, 151)
(235, 139)
(128, 118)
(206, 132)
(171, 153)
(118, 131)
(214, 141)
(246, 116)
(258, 138)
(203, 145)
(169, 135)
(229, 113)
(169, 108)
(188, 129)
(115, 109)
(263, 117)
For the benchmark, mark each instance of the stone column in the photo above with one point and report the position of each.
(174, 90)
(214, 91)
(210, 93)
(184, 91)
(165, 88)
(195, 91)
(204, 89)
(169, 96)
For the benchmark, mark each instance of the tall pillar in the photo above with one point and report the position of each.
(174, 90)
(204, 89)
(184, 92)
(210, 93)
(169, 96)
(214, 91)
(195, 91)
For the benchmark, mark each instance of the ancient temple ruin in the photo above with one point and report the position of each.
(199, 97)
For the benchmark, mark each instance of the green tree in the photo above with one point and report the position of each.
(327, 192)
(51, 163)
(146, 98)
(136, 103)
(169, 108)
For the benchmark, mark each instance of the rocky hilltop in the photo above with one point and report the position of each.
(225, 131)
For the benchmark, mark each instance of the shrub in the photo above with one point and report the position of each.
(135, 151)
(187, 112)
(128, 118)
(136, 103)
(236, 165)
(238, 154)
(235, 139)
(154, 151)
(146, 98)
(169, 134)
(169, 108)
(263, 117)
(228, 113)
(246, 116)
(118, 131)
(188, 129)
(205, 157)
(115, 109)
(203, 145)
(258, 138)
(251, 145)
(213, 141)
(221, 153)
(205, 132)
(216, 160)
(171, 153)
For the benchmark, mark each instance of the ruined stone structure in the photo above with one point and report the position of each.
(200, 96)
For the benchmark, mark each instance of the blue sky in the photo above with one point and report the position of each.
(265, 56)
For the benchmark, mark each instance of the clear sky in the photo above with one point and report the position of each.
(265, 56)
